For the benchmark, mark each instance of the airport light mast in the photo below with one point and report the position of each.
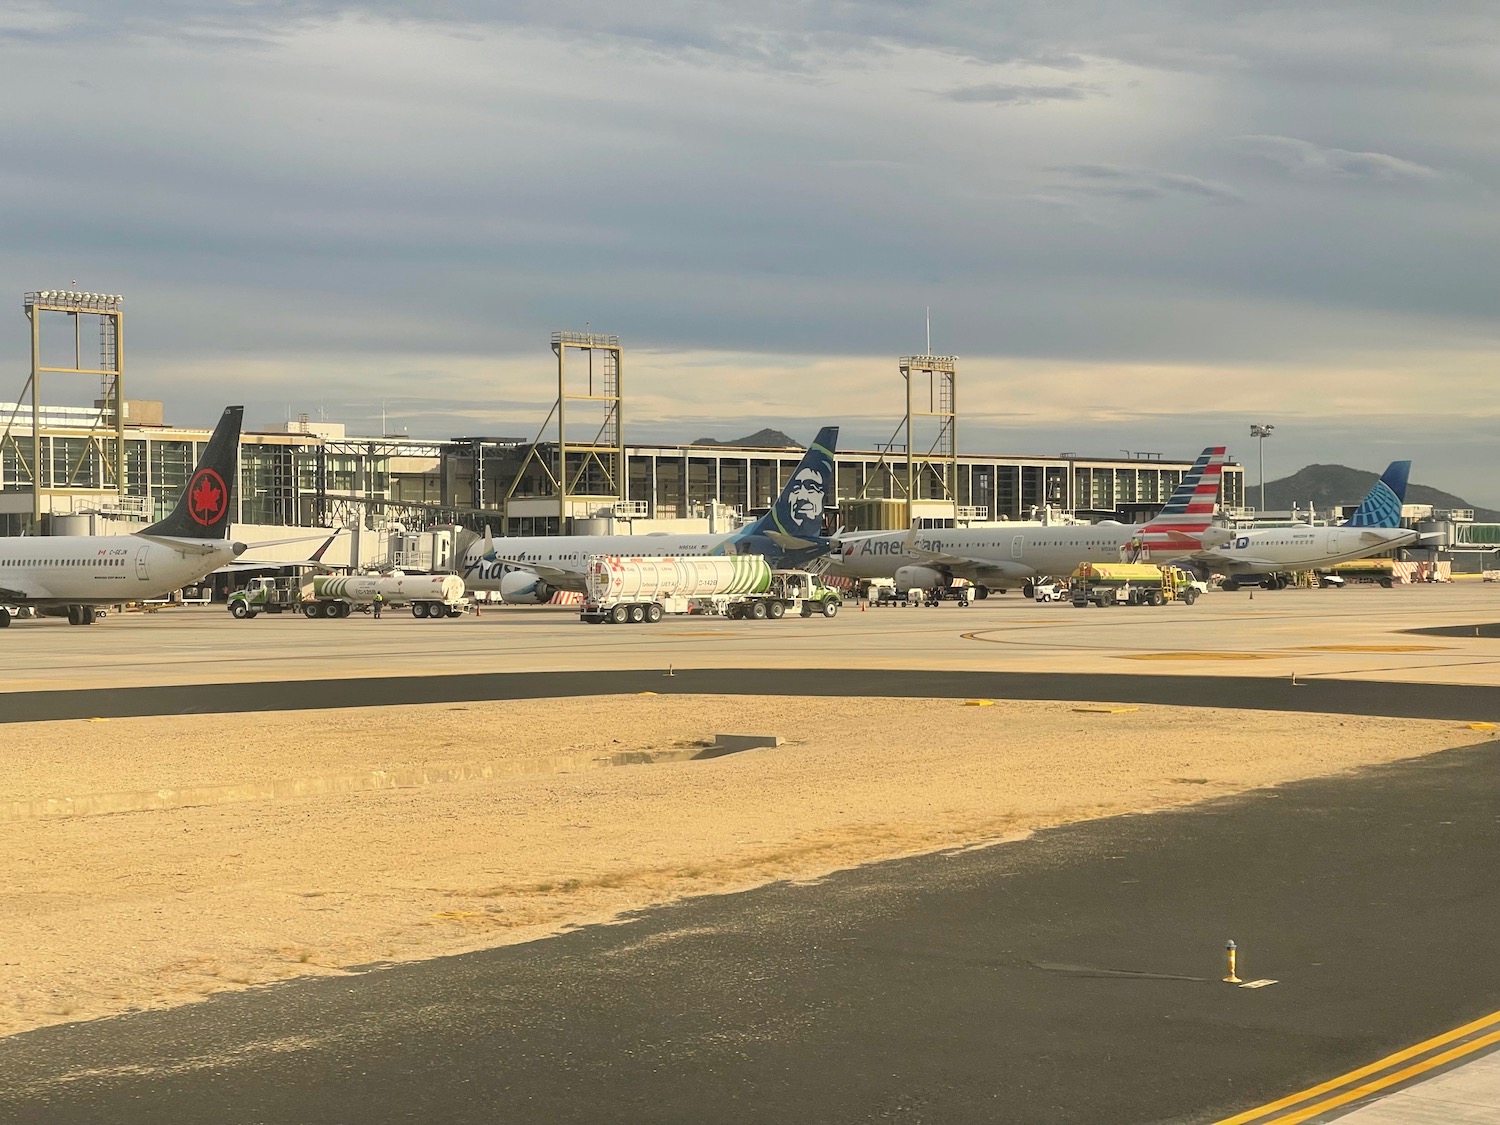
(1262, 432)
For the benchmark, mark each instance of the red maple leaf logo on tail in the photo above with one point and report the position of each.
(206, 497)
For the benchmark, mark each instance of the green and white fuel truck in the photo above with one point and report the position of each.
(619, 589)
(432, 596)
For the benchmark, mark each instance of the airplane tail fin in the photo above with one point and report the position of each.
(1189, 511)
(206, 508)
(1381, 506)
(791, 533)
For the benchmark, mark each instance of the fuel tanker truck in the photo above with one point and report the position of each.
(620, 589)
(431, 596)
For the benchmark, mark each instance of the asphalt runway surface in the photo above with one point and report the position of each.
(1329, 696)
(1071, 977)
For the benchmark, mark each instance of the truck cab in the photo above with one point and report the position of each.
(266, 595)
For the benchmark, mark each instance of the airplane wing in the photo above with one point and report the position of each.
(1218, 558)
(22, 593)
(942, 558)
(541, 570)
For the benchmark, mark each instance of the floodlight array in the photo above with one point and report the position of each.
(72, 299)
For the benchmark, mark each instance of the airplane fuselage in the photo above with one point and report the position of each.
(51, 570)
(565, 557)
(1305, 548)
(998, 552)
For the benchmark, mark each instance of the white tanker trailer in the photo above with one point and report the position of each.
(429, 595)
(620, 589)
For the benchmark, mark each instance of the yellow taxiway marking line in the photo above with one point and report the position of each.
(1259, 1115)
(1105, 710)
(1197, 656)
(1374, 648)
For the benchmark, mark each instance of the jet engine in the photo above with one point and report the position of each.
(919, 577)
(522, 587)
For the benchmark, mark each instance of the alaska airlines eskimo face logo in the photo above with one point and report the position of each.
(805, 498)
(206, 494)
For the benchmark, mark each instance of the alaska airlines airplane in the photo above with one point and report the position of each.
(1000, 558)
(79, 572)
(529, 569)
(1266, 556)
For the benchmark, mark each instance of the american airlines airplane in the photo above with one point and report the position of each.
(1000, 558)
(78, 572)
(529, 569)
(1268, 555)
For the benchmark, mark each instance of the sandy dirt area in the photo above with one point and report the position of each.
(150, 862)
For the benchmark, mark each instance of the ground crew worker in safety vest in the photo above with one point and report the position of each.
(379, 601)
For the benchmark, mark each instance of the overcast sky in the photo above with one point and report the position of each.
(1142, 225)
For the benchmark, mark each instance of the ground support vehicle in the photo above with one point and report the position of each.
(1051, 589)
(433, 596)
(620, 590)
(959, 590)
(1105, 584)
(1379, 571)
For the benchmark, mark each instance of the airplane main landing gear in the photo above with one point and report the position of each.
(81, 615)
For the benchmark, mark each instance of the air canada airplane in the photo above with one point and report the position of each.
(1268, 555)
(529, 569)
(75, 573)
(1001, 558)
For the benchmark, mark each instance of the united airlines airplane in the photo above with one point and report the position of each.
(1268, 556)
(76, 573)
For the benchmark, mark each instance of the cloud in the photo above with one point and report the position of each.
(1004, 93)
(1137, 184)
(1304, 158)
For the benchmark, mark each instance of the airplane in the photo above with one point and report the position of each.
(76, 573)
(1268, 555)
(529, 569)
(1002, 557)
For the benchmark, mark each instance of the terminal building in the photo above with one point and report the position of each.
(311, 474)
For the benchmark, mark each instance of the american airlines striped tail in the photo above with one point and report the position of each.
(1190, 511)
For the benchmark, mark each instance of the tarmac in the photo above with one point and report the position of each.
(1072, 977)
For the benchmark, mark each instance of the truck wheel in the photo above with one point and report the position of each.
(807, 610)
(757, 611)
(239, 610)
(419, 609)
(831, 607)
(776, 611)
(653, 613)
(1229, 585)
(310, 610)
(1158, 598)
(618, 615)
(981, 592)
(1386, 583)
(435, 611)
(637, 614)
(1028, 589)
(331, 611)
(1190, 595)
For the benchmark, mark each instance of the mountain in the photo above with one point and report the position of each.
(1325, 486)
(760, 439)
